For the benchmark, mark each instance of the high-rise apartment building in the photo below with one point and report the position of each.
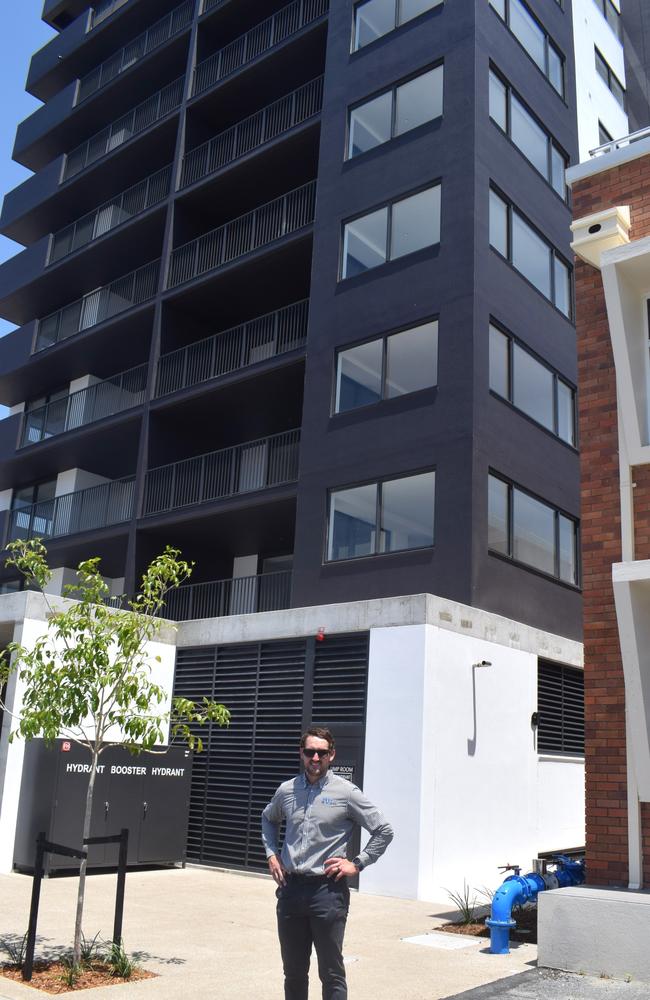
(297, 297)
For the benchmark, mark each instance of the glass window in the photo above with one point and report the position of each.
(416, 222)
(566, 412)
(364, 243)
(532, 387)
(370, 124)
(402, 507)
(407, 513)
(567, 567)
(399, 110)
(353, 519)
(533, 532)
(609, 77)
(531, 139)
(603, 135)
(411, 360)
(375, 18)
(558, 167)
(498, 516)
(359, 376)
(498, 223)
(562, 289)
(498, 101)
(555, 69)
(499, 363)
(528, 32)
(418, 101)
(372, 19)
(530, 255)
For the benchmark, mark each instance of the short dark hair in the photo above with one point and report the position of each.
(321, 733)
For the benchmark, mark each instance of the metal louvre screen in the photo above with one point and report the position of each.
(561, 707)
(273, 690)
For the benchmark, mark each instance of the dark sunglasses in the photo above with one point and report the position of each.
(316, 753)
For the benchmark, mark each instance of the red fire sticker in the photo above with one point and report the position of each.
(66, 746)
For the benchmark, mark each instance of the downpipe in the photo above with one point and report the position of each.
(519, 889)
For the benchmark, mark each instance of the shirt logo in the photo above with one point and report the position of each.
(327, 801)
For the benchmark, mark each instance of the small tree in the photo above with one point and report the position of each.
(88, 678)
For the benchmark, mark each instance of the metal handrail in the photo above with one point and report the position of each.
(155, 36)
(135, 200)
(230, 350)
(104, 10)
(85, 510)
(254, 131)
(265, 224)
(102, 399)
(244, 468)
(626, 140)
(103, 303)
(261, 38)
(211, 4)
(239, 595)
(127, 127)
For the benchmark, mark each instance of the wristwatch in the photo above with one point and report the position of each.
(358, 863)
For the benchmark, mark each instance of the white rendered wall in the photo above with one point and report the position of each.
(451, 760)
(594, 100)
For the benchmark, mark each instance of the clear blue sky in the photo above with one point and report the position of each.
(21, 34)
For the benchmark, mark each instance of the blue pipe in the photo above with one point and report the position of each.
(518, 889)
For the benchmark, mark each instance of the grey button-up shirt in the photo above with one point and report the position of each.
(320, 819)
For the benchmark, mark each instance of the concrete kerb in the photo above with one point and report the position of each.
(211, 934)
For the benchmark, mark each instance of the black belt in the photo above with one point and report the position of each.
(307, 877)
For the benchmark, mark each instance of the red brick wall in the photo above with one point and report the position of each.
(605, 759)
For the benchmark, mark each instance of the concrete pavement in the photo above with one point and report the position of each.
(210, 935)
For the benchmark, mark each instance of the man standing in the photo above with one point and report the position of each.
(320, 810)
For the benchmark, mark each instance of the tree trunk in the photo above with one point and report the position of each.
(76, 950)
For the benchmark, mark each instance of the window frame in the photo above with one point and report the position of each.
(384, 338)
(606, 5)
(608, 76)
(548, 44)
(392, 90)
(397, 24)
(388, 205)
(551, 142)
(558, 513)
(557, 378)
(379, 483)
(553, 254)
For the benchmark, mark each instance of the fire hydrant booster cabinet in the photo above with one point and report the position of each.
(148, 794)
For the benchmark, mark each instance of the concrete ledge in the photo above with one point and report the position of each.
(596, 931)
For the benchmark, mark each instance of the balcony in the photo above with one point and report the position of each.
(261, 39)
(155, 108)
(259, 228)
(155, 36)
(59, 13)
(246, 468)
(102, 10)
(86, 510)
(253, 132)
(231, 350)
(125, 206)
(241, 595)
(102, 399)
(124, 293)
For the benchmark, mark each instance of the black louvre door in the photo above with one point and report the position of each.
(268, 688)
(561, 707)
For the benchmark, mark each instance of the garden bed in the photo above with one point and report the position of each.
(53, 977)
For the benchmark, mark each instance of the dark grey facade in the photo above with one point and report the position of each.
(184, 232)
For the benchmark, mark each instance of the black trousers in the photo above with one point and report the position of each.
(313, 911)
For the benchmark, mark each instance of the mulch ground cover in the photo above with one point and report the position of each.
(525, 931)
(51, 977)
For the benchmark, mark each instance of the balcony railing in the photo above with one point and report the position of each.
(130, 290)
(242, 595)
(252, 132)
(264, 36)
(103, 399)
(151, 39)
(256, 229)
(211, 4)
(147, 193)
(129, 125)
(255, 465)
(85, 510)
(103, 10)
(257, 340)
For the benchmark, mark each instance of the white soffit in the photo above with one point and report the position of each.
(631, 582)
(626, 282)
(593, 234)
